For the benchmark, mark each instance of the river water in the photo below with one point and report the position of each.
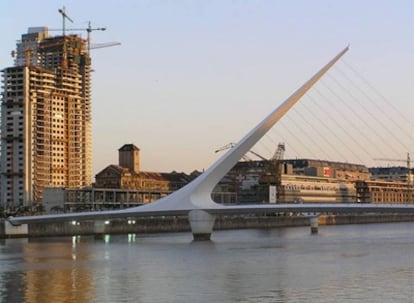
(349, 263)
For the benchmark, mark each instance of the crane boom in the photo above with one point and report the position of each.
(231, 145)
(257, 155)
(227, 146)
(88, 29)
(106, 44)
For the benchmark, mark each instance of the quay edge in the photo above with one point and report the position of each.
(181, 224)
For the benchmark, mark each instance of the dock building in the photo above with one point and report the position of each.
(301, 181)
(128, 176)
(393, 184)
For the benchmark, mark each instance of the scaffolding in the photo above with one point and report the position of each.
(54, 100)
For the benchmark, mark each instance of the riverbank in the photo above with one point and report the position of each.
(179, 224)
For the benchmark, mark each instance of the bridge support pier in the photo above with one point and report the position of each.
(201, 223)
(15, 230)
(99, 229)
(314, 224)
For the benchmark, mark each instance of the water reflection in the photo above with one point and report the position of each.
(12, 284)
(365, 263)
(132, 238)
(46, 272)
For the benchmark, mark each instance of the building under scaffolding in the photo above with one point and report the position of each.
(45, 118)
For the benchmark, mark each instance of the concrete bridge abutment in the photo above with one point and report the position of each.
(11, 230)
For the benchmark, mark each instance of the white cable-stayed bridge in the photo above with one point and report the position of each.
(194, 200)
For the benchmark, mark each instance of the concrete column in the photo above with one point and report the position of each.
(12, 231)
(314, 224)
(201, 223)
(99, 229)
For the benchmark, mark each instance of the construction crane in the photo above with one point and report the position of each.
(106, 44)
(227, 146)
(240, 173)
(408, 165)
(62, 11)
(89, 30)
(245, 157)
(275, 162)
(273, 174)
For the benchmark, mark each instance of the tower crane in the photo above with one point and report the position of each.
(62, 11)
(89, 30)
(273, 173)
(408, 165)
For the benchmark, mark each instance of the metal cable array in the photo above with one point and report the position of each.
(343, 118)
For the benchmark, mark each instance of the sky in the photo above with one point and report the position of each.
(192, 76)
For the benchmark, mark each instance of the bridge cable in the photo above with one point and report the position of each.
(335, 121)
(335, 135)
(288, 145)
(349, 124)
(288, 130)
(400, 114)
(359, 117)
(312, 127)
(367, 111)
(379, 108)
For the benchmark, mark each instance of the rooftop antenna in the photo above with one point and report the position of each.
(62, 11)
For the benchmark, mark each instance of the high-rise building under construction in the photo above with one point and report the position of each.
(45, 118)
